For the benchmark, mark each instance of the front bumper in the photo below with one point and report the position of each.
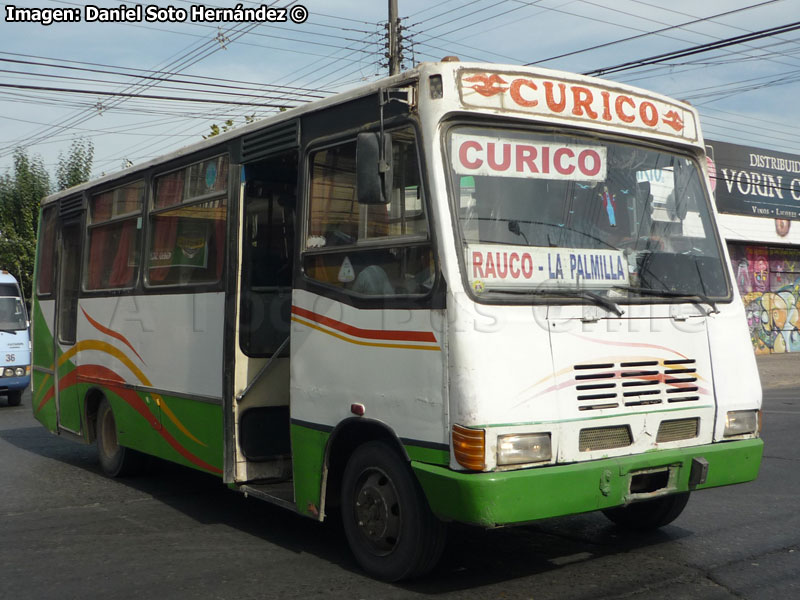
(512, 497)
(14, 383)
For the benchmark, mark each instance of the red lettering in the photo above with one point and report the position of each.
(550, 97)
(625, 118)
(490, 156)
(502, 271)
(582, 102)
(516, 95)
(558, 155)
(477, 265)
(462, 154)
(606, 106)
(514, 270)
(490, 270)
(546, 159)
(649, 114)
(525, 156)
(527, 265)
(583, 162)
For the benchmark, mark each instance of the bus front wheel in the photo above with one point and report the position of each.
(115, 460)
(386, 518)
(649, 514)
(14, 397)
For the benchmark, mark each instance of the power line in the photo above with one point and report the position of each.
(137, 95)
(716, 45)
(120, 70)
(649, 33)
(181, 62)
(299, 95)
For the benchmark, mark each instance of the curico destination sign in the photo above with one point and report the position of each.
(584, 100)
(754, 182)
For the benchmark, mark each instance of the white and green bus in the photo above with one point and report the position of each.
(465, 293)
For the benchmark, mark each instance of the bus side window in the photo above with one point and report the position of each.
(114, 231)
(47, 252)
(188, 223)
(368, 250)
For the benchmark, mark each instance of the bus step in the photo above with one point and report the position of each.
(280, 492)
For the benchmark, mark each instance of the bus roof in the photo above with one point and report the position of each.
(488, 88)
(6, 277)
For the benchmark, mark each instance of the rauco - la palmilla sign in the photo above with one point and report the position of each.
(754, 182)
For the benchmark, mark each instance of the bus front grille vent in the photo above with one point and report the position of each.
(605, 438)
(678, 429)
(635, 384)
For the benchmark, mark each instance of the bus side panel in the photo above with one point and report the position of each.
(308, 458)
(189, 436)
(158, 360)
(190, 433)
(389, 361)
(42, 387)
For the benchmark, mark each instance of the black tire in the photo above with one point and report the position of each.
(14, 397)
(390, 528)
(649, 514)
(115, 460)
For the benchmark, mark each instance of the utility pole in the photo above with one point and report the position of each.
(394, 39)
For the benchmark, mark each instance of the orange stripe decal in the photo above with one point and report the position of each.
(111, 333)
(369, 334)
(362, 343)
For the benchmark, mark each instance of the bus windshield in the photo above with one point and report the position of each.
(12, 314)
(548, 212)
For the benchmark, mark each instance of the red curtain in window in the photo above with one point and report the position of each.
(122, 267)
(46, 253)
(163, 248)
(100, 236)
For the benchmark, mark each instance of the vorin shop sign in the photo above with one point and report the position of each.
(755, 182)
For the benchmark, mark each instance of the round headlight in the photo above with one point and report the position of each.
(19, 371)
(8, 372)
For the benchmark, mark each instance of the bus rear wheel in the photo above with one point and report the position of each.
(649, 514)
(14, 397)
(386, 518)
(115, 460)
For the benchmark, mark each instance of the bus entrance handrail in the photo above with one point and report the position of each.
(263, 370)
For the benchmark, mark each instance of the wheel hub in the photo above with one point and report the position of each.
(377, 511)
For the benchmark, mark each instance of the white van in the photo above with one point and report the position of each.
(15, 347)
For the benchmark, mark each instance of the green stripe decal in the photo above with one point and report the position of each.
(427, 455)
(308, 457)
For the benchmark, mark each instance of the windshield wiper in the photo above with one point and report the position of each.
(595, 298)
(700, 297)
(513, 227)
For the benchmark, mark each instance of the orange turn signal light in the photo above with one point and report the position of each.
(469, 447)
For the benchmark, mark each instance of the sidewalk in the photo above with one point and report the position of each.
(779, 370)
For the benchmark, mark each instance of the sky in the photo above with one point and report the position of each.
(746, 93)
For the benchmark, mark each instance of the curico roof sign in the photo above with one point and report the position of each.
(575, 100)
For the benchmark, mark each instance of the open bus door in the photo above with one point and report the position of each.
(68, 272)
(260, 446)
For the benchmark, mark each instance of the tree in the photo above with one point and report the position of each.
(20, 195)
(228, 125)
(76, 167)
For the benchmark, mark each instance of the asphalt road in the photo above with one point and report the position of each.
(68, 532)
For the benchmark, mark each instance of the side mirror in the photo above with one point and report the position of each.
(373, 168)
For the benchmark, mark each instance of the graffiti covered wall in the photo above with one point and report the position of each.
(769, 282)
